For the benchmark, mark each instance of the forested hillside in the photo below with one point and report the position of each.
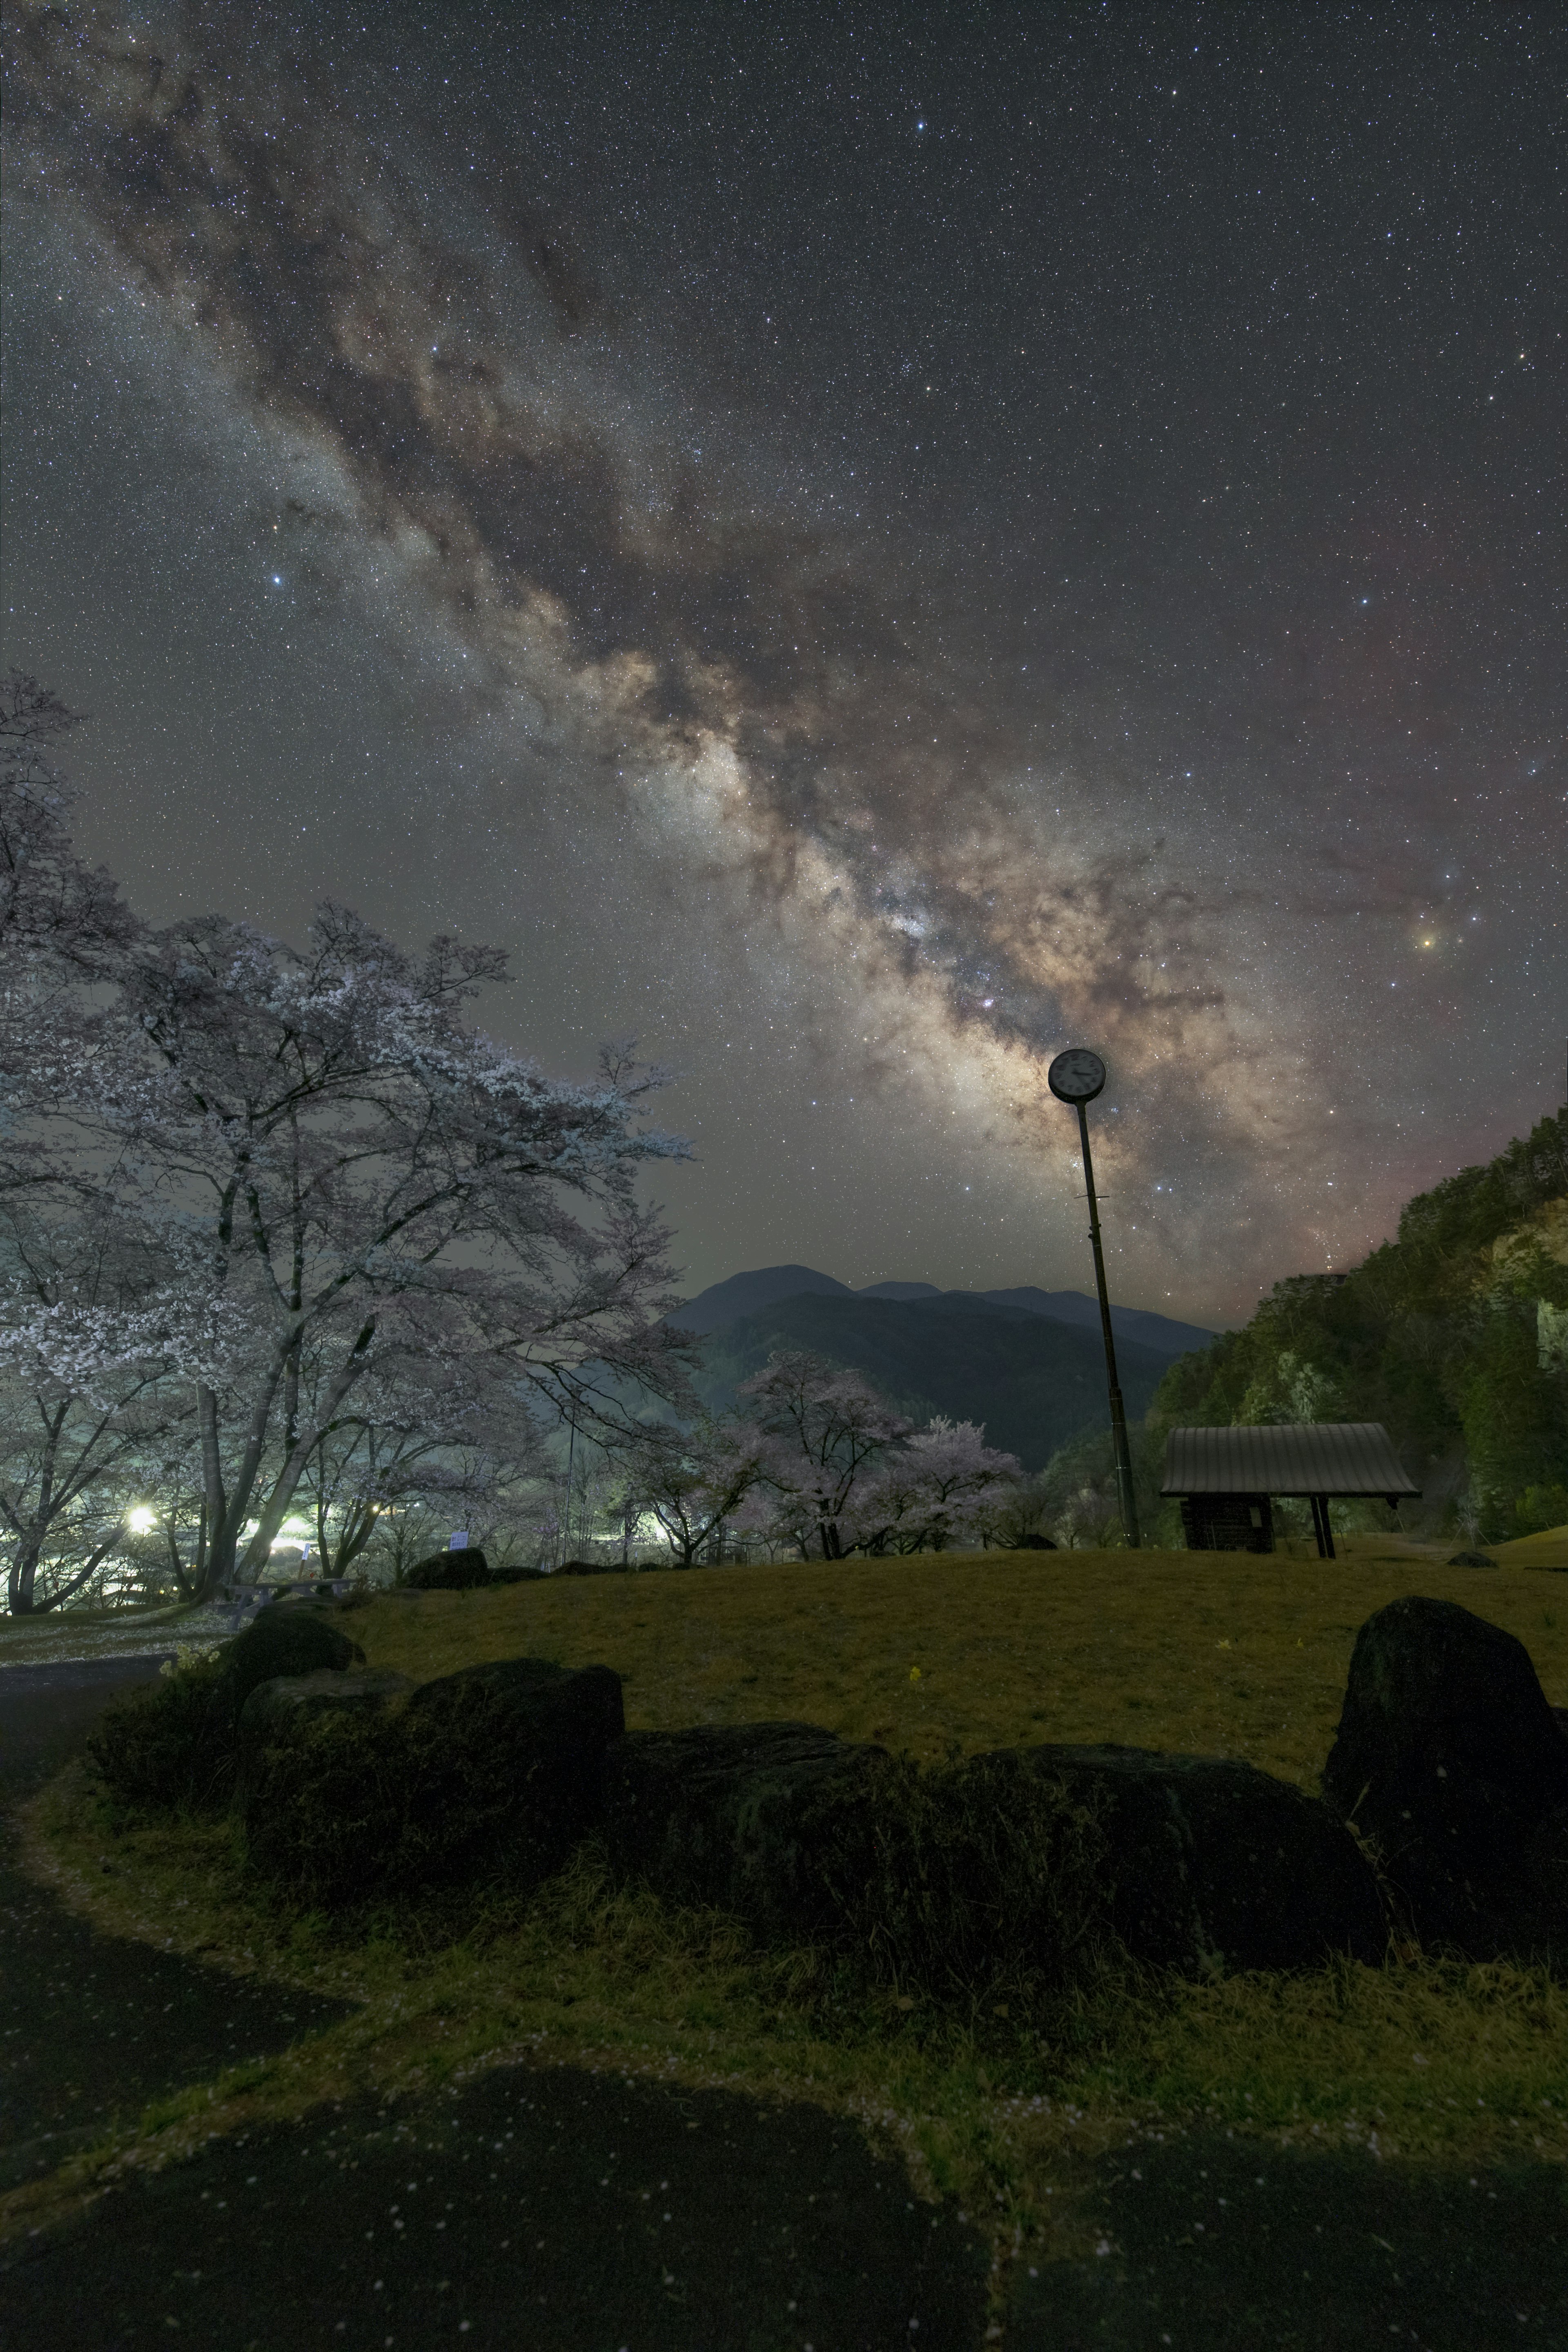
(1033, 1382)
(1455, 1335)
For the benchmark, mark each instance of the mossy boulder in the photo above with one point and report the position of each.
(275, 1710)
(506, 1759)
(449, 1572)
(1028, 1860)
(936, 1881)
(1211, 1864)
(322, 1791)
(375, 1789)
(723, 1814)
(1448, 1757)
(288, 1638)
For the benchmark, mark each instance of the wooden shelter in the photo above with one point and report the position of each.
(1227, 1478)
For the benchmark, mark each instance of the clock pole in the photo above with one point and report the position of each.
(1075, 1078)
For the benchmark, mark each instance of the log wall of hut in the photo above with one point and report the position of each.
(1228, 1522)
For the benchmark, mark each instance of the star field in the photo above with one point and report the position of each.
(863, 548)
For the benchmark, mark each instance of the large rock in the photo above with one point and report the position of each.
(278, 1710)
(735, 1815)
(1214, 1865)
(288, 1638)
(506, 1762)
(1448, 1757)
(448, 1571)
(322, 1788)
(373, 1788)
(1193, 1861)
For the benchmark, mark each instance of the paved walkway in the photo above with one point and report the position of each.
(560, 2211)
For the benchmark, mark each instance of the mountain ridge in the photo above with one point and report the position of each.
(761, 1287)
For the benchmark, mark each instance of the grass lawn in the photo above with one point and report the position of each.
(1216, 1653)
(1429, 2063)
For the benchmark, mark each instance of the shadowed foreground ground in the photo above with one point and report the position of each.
(91, 2026)
(555, 2211)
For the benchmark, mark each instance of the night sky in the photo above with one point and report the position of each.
(865, 546)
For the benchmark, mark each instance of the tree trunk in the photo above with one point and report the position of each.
(23, 1570)
(22, 1595)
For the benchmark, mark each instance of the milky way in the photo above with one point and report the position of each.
(964, 543)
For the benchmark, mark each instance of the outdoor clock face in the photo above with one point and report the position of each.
(1077, 1075)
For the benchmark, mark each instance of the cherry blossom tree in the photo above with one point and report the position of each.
(350, 1169)
(824, 1431)
(64, 932)
(423, 1433)
(930, 1490)
(84, 1425)
(691, 1481)
(60, 919)
(329, 1165)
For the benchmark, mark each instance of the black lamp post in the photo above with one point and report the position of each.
(1075, 1078)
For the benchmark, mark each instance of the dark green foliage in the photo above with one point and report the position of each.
(1540, 1508)
(157, 1747)
(1512, 1413)
(175, 1744)
(449, 1572)
(1430, 1335)
(1077, 1489)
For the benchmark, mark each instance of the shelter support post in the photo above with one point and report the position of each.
(1321, 1528)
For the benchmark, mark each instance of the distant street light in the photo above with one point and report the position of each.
(1075, 1078)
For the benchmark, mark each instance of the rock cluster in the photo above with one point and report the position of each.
(1443, 1815)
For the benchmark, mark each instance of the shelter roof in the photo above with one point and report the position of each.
(1291, 1458)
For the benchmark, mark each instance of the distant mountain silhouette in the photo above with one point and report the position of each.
(748, 1294)
(1033, 1380)
(743, 1294)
